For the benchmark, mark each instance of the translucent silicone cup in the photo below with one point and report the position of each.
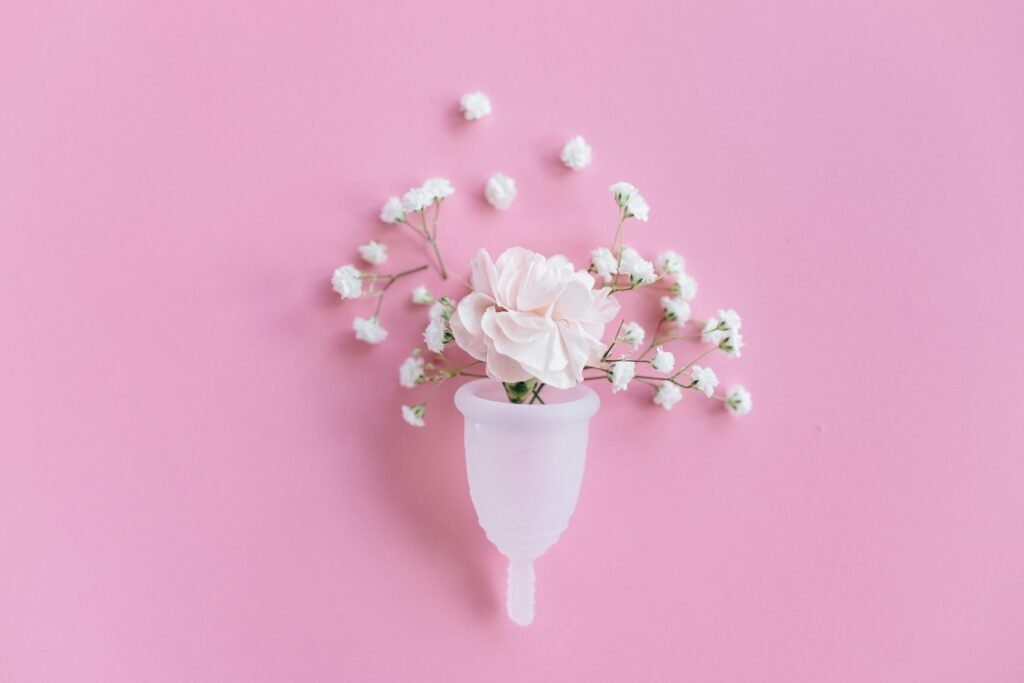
(525, 466)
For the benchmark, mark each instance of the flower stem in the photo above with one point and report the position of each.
(391, 280)
(690, 364)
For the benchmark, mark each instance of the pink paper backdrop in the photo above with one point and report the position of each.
(202, 480)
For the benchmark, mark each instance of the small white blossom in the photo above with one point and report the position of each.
(712, 332)
(663, 361)
(441, 309)
(414, 414)
(731, 319)
(437, 335)
(374, 252)
(347, 281)
(633, 334)
(438, 188)
(629, 198)
(685, 287)
(500, 191)
(603, 263)
(421, 295)
(475, 105)
(576, 153)
(369, 330)
(410, 372)
(417, 199)
(639, 269)
(704, 380)
(732, 344)
(667, 395)
(670, 263)
(675, 309)
(622, 373)
(392, 212)
(738, 400)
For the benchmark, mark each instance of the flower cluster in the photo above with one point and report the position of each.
(530, 321)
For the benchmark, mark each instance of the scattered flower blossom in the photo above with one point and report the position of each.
(712, 333)
(500, 191)
(629, 198)
(663, 361)
(738, 400)
(392, 212)
(670, 263)
(411, 372)
(685, 287)
(576, 153)
(421, 295)
(639, 269)
(417, 199)
(374, 252)
(633, 334)
(441, 309)
(475, 105)
(437, 335)
(676, 310)
(622, 373)
(439, 188)
(704, 380)
(667, 394)
(369, 330)
(603, 263)
(347, 281)
(731, 319)
(732, 344)
(414, 414)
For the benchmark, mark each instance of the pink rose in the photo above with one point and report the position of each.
(531, 316)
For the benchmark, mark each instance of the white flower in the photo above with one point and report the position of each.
(667, 395)
(417, 199)
(369, 330)
(533, 317)
(628, 197)
(437, 335)
(500, 191)
(603, 263)
(685, 287)
(704, 379)
(421, 295)
(347, 281)
(622, 373)
(663, 361)
(576, 153)
(639, 269)
(475, 105)
(712, 332)
(441, 309)
(731, 319)
(392, 212)
(633, 334)
(670, 263)
(738, 400)
(732, 344)
(438, 188)
(374, 252)
(676, 310)
(414, 414)
(410, 372)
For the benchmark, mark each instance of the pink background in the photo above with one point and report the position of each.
(202, 480)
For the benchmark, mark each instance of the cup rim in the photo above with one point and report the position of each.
(581, 403)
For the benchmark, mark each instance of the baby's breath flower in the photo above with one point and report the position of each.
(732, 344)
(675, 310)
(622, 373)
(438, 188)
(731, 319)
(421, 295)
(663, 361)
(414, 414)
(629, 198)
(639, 269)
(369, 330)
(417, 199)
(437, 335)
(374, 252)
(713, 333)
(347, 281)
(475, 105)
(441, 309)
(576, 153)
(738, 400)
(500, 191)
(667, 394)
(410, 372)
(633, 334)
(685, 287)
(704, 380)
(670, 263)
(603, 263)
(392, 212)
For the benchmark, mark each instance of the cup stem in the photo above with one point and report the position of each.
(521, 583)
